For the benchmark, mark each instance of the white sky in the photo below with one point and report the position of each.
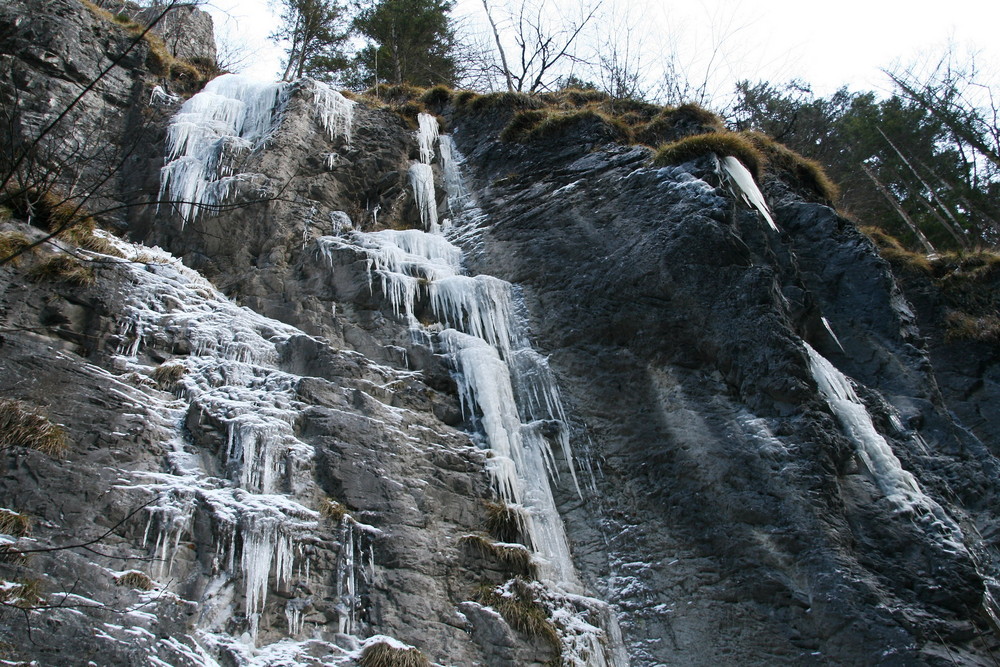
(827, 44)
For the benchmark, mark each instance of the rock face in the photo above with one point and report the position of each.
(187, 31)
(304, 433)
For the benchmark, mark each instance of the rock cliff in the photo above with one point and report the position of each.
(347, 385)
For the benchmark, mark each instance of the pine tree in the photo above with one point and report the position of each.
(410, 41)
(316, 32)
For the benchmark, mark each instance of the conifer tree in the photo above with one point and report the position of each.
(316, 32)
(410, 41)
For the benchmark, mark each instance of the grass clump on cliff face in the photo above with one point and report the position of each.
(25, 594)
(797, 171)
(719, 143)
(893, 252)
(56, 215)
(437, 97)
(135, 579)
(63, 268)
(23, 426)
(14, 523)
(673, 124)
(12, 243)
(532, 125)
(505, 522)
(968, 284)
(332, 509)
(168, 375)
(516, 602)
(963, 326)
(513, 558)
(497, 101)
(384, 654)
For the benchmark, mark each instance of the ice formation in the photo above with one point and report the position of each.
(743, 179)
(233, 116)
(336, 112)
(229, 377)
(879, 461)
(453, 184)
(422, 182)
(422, 174)
(229, 118)
(427, 134)
(505, 387)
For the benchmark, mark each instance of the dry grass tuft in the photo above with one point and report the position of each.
(899, 257)
(516, 602)
(383, 654)
(674, 124)
(798, 171)
(521, 125)
(505, 522)
(498, 101)
(14, 523)
(437, 97)
(395, 94)
(24, 594)
(12, 555)
(23, 426)
(513, 558)
(135, 579)
(962, 326)
(719, 143)
(63, 268)
(12, 243)
(168, 374)
(332, 509)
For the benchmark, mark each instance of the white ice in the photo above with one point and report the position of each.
(422, 182)
(427, 134)
(742, 178)
(879, 461)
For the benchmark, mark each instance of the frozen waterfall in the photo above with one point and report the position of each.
(506, 388)
(215, 129)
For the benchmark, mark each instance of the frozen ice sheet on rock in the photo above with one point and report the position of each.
(231, 117)
(875, 454)
(336, 112)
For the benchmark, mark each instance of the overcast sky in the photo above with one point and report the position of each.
(827, 44)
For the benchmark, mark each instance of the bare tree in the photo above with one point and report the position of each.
(620, 60)
(535, 42)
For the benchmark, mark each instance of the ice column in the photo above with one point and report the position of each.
(422, 174)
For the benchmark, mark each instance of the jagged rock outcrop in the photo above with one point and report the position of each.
(288, 437)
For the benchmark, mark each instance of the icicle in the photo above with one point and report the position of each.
(829, 330)
(294, 609)
(161, 96)
(741, 177)
(336, 112)
(266, 542)
(346, 585)
(426, 136)
(422, 182)
(231, 115)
